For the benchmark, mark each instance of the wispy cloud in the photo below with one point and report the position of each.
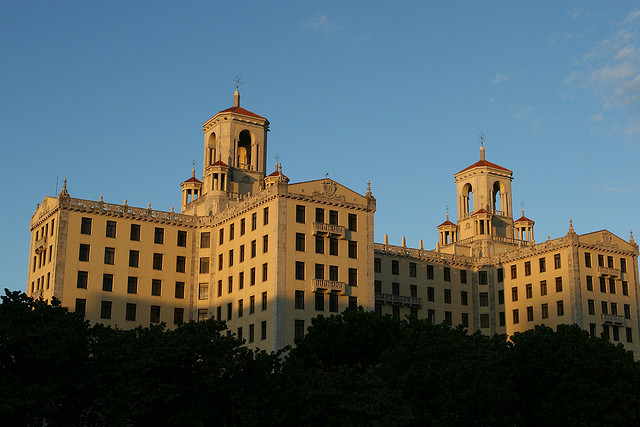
(596, 118)
(615, 187)
(321, 24)
(523, 113)
(635, 14)
(573, 14)
(500, 78)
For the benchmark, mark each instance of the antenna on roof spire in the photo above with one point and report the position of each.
(237, 80)
(481, 139)
(236, 96)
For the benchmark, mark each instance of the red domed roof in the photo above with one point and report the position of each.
(240, 110)
(481, 211)
(193, 179)
(220, 163)
(524, 219)
(484, 163)
(447, 222)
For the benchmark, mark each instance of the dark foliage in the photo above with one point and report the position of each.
(356, 368)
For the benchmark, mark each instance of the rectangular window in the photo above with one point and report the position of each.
(157, 261)
(178, 316)
(377, 287)
(560, 308)
(465, 320)
(299, 300)
(500, 296)
(395, 289)
(603, 285)
(353, 222)
(333, 272)
(558, 284)
(85, 226)
(600, 260)
(627, 311)
(482, 278)
(592, 330)
(543, 264)
(181, 264)
(625, 288)
(111, 229)
(413, 289)
(353, 277)
(242, 226)
(514, 293)
(81, 306)
(220, 261)
(353, 249)
(610, 262)
(205, 240)
(265, 216)
(300, 242)
(530, 314)
(252, 276)
(319, 271)
(412, 269)
(395, 267)
(545, 311)
(221, 237)
(589, 283)
(319, 244)
(333, 246)
(83, 279)
(430, 272)
(605, 331)
(154, 315)
(134, 258)
(232, 231)
(527, 268)
(240, 307)
(614, 308)
(251, 333)
(514, 272)
(616, 333)
(484, 299)
(158, 236)
(604, 307)
(229, 311)
(377, 265)
(463, 276)
(253, 249)
(591, 307)
(241, 280)
(353, 303)
(156, 287)
(502, 319)
(264, 272)
(263, 330)
(447, 296)
(135, 232)
(484, 321)
(109, 255)
(203, 291)
(300, 214)
(333, 217)
(447, 318)
(612, 285)
(264, 301)
(204, 265)
(219, 288)
(500, 275)
(265, 243)
(252, 304)
(529, 291)
(516, 316)
(130, 313)
(623, 265)
(587, 259)
(182, 238)
(556, 261)
(319, 298)
(333, 303)
(298, 332)
(241, 256)
(179, 290)
(629, 334)
(84, 253)
(107, 282)
(132, 285)
(105, 310)
(231, 257)
(319, 215)
(431, 315)
(447, 274)
(254, 221)
(430, 294)
(299, 270)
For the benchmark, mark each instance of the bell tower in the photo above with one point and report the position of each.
(235, 149)
(484, 200)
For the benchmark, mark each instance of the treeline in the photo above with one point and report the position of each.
(357, 368)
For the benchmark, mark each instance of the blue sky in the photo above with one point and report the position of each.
(112, 96)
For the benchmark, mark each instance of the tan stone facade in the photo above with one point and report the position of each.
(267, 256)
(264, 255)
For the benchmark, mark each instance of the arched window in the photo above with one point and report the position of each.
(211, 149)
(467, 194)
(497, 198)
(244, 150)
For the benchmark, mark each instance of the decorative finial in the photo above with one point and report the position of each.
(280, 168)
(404, 242)
(421, 246)
(100, 199)
(236, 95)
(386, 239)
(481, 138)
(633, 242)
(327, 175)
(368, 193)
(571, 230)
(64, 193)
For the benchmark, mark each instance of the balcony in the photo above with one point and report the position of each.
(613, 319)
(332, 230)
(41, 244)
(328, 285)
(399, 300)
(607, 271)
